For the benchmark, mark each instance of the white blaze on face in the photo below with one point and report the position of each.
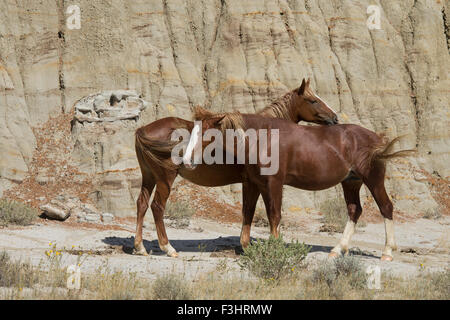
(328, 106)
(195, 137)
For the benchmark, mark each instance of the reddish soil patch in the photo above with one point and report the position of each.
(51, 171)
(440, 191)
(371, 214)
(206, 204)
(72, 222)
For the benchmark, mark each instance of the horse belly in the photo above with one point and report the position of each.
(213, 175)
(316, 180)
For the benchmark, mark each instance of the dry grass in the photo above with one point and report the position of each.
(341, 279)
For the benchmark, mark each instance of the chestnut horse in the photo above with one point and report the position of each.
(153, 150)
(317, 158)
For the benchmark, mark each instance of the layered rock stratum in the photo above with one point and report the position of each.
(223, 54)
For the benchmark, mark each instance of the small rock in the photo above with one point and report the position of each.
(41, 198)
(77, 212)
(92, 217)
(88, 208)
(107, 217)
(54, 212)
(61, 197)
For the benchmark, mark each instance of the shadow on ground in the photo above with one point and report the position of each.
(196, 245)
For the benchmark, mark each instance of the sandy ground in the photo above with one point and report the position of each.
(206, 244)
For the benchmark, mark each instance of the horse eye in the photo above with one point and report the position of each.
(315, 101)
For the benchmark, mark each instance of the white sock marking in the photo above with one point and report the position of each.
(390, 241)
(168, 249)
(346, 236)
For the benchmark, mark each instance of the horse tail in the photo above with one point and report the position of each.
(379, 152)
(383, 150)
(154, 152)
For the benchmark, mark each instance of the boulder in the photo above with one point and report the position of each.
(54, 212)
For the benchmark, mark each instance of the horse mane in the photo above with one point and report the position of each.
(280, 108)
(231, 120)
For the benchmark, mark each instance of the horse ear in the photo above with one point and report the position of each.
(302, 88)
(307, 82)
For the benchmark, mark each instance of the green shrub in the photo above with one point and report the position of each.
(171, 287)
(272, 259)
(12, 212)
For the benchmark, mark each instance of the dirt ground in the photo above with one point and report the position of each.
(205, 244)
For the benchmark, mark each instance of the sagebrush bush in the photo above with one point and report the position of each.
(171, 287)
(432, 214)
(13, 212)
(343, 268)
(260, 218)
(179, 212)
(335, 215)
(273, 258)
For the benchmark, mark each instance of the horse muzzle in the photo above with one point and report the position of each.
(332, 121)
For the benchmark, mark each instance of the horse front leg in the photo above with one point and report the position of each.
(250, 194)
(351, 193)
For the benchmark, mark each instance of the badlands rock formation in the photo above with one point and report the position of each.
(225, 54)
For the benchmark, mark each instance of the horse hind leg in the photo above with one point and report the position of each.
(158, 207)
(148, 185)
(375, 183)
(272, 197)
(351, 189)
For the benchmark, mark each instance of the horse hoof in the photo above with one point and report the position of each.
(333, 255)
(173, 254)
(140, 252)
(386, 258)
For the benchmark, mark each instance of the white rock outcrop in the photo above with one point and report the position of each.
(110, 106)
(227, 54)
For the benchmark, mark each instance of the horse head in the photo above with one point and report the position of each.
(311, 108)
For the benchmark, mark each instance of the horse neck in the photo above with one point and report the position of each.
(283, 108)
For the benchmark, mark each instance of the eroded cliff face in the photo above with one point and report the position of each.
(226, 54)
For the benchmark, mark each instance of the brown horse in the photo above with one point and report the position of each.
(154, 146)
(317, 158)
